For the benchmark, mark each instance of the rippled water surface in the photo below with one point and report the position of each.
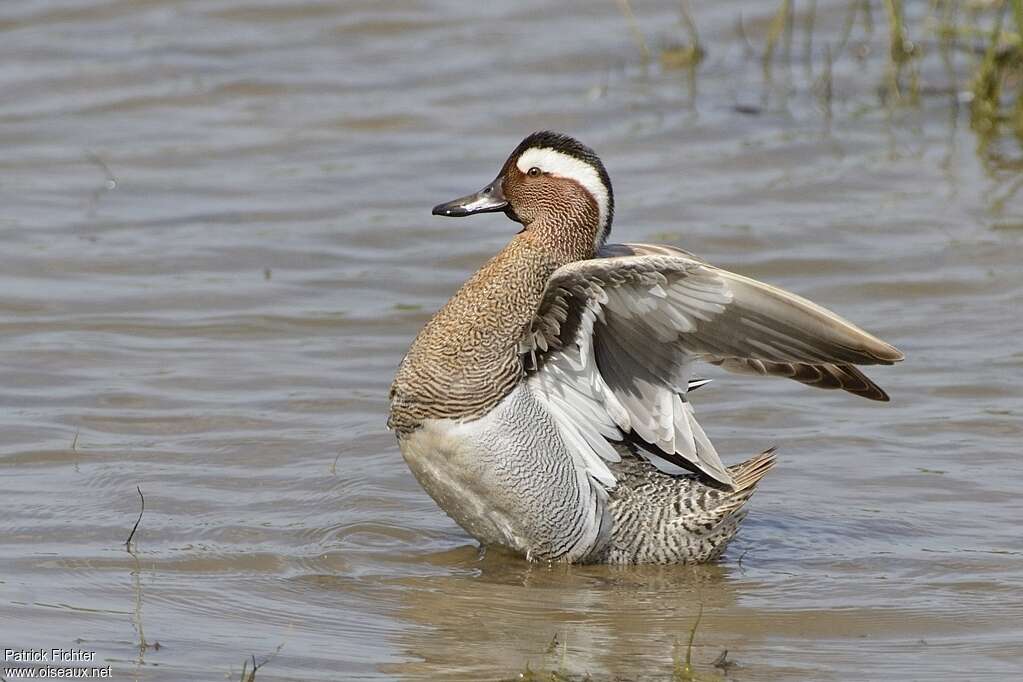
(216, 246)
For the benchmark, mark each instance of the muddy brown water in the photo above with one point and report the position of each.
(216, 246)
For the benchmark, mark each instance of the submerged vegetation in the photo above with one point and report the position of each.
(968, 51)
(997, 84)
(552, 667)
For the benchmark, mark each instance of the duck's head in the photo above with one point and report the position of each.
(550, 182)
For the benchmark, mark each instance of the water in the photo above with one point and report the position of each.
(217, 245)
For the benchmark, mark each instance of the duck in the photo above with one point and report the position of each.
(545, 406)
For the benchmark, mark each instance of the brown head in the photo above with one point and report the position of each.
(555, 186)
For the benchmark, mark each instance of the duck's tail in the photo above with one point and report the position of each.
(679, 519)
(724, 518)
(746, 475)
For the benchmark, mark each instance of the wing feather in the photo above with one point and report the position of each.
(614, 340)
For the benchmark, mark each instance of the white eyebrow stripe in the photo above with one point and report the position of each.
(557, 163)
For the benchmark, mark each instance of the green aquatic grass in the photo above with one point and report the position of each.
(980, 45)
(551, 665)
(625, 7)
(997, 83)
(249, 674)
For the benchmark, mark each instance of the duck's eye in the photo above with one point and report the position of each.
(533, 172)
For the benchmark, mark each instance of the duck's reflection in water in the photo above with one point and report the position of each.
(493, 616)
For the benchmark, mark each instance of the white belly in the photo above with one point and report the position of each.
(508, 479)
(451, 470)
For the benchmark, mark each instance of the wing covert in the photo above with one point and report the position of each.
(615, 338)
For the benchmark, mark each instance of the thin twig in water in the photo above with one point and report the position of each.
(109, 185)
(250, 676)
(136, 578)
(722, 662)
(111, 182)
(637, 34)
(847, 28)
(778, 30)
(811, 18)
(127, 543)
(740, 33)
(74, 449)
(741, 557)
(333, 467)
(692, 636)
(690, 25)
(684, 671)
(823, 88)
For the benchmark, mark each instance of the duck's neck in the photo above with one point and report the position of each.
(566, 236)
(465, 360)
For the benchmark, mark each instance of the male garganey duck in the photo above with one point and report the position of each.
(544, 406)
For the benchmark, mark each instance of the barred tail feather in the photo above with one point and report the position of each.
(747, 474)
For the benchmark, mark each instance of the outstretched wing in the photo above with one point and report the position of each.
(613, 343)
